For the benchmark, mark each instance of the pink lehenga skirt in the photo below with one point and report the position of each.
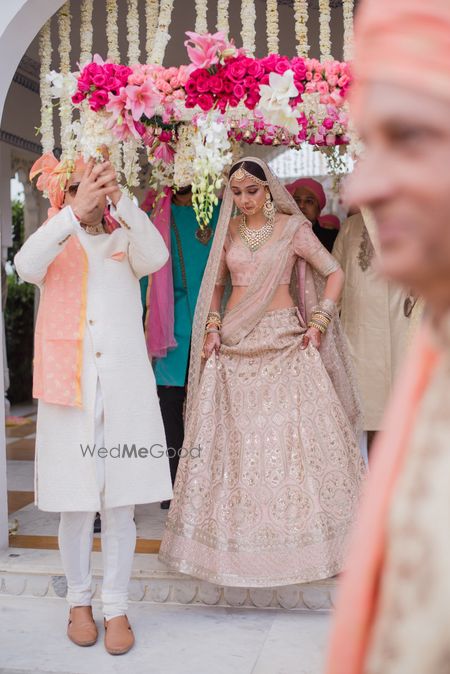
(270, 493)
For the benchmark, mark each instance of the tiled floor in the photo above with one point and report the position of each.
(169, 640)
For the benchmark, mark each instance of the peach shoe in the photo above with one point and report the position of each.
(119, 637)
(82, 629)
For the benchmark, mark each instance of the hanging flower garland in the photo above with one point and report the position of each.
(325, 33)
(223, 24)
(201, 23)
(272, 26)
(301, 26)
(131, 165)
(151, 22)
(86, 31)
(184, 156)
(134, 51)
(162, 34)
(347, 8)
(45, 57)
(112, 31)
(65, 106)
(248, 19)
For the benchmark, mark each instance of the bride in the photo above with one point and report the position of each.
(270, 494)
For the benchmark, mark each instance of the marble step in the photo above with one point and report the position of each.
(39, 573)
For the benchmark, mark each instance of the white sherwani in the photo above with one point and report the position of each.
(115, 354)
(372, 317)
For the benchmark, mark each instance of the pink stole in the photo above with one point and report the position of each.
(58, 341)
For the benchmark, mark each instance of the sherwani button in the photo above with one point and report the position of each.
(91, 322)
(98, 354)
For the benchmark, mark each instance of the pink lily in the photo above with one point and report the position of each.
(142, 100)
(204, 50)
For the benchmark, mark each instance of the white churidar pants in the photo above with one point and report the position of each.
(76, 532)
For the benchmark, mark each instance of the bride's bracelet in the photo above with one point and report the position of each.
(213, 319)
(208, 331)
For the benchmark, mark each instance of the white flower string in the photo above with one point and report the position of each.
(347, 8)
(131, 165)
(112, 31)
(86, 31)
(223, 24)
(325, 32)
(201, 10)
(65, 104)
(184, 156)
(301, 27)
(151, 24)
(272, 26)
(248, 32)
(162, 34)
(134, 51)
(45, 56)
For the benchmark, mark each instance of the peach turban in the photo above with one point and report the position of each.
(53, 178)
(405, 43)
(312, 186)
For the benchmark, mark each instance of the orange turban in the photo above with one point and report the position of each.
(53, 177)
(405, 43)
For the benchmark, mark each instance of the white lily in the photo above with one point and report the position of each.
(274, 102)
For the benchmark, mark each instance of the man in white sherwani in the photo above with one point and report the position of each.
(100, 443)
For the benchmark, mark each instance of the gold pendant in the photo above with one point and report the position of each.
(203, 234)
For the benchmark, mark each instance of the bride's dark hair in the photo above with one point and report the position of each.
(250, 166)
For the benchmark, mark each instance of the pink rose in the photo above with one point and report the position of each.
(205, 101)
(233, 101)
(236, 71)
(282, 66)
(98, 100)
(228, 87)
(216, 84)
(202, 84)
(250, 82)
(328, 123)
(239, 91)
(322, 87)
(255, 69)
(78, 98)
(251, 102)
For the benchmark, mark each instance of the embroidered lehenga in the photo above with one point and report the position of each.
(271, 495)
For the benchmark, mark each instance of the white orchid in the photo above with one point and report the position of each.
(60, 84)
(275, 98)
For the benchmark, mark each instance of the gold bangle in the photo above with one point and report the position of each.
(320, 328)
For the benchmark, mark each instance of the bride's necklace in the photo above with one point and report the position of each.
(94, 229)
(255, 238)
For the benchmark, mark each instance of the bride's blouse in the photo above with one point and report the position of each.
(243, 265)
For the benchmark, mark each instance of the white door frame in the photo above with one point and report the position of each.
(20, 21)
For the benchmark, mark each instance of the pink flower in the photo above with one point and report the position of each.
(203, 84)
(99, 79)
(255, 69)
(236, 69)
(78, 98)
(216, 84)
(141, 100)
(328, 123)
(116, 104)
(204, 50)
(165, 152)
(205, 101)
(322, 87)
(98, 100)
(239, 91)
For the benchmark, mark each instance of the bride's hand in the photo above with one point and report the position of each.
(313, 336)
(212, 343)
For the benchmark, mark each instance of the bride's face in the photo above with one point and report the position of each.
(248, 195)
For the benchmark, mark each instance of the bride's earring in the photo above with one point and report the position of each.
(268, 208)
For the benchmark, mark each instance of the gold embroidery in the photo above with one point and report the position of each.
(366, 251)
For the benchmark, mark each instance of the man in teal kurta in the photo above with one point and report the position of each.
(189, 257)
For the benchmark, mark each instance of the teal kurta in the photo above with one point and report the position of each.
(172, 370)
